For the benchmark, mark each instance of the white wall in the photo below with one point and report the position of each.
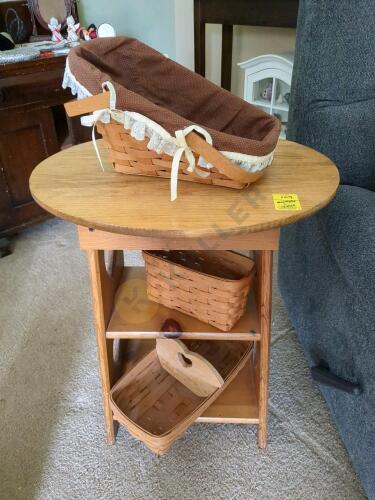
(150, 21)
(184, 32)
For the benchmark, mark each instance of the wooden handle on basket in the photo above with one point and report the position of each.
(88, 105)
(223, 164)
(188, 367)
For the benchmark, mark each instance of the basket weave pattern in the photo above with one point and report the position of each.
(130, 156)
(156, 408)
(215, 300)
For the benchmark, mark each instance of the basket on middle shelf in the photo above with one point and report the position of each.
(212, 286)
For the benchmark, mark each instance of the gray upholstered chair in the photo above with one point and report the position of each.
(327, 263)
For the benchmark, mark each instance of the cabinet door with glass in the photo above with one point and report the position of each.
(267, 84)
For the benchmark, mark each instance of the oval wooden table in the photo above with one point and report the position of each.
(115, 212)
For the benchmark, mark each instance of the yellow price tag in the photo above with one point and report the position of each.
(286, 202)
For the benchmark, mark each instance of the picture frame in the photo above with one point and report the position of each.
(42, 10)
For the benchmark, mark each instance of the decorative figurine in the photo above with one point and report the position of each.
(88, 33)
(283, 98)
(93, 32)
(72, 30)
(267, 92)
(55, 27)
(106, 30)
(84, 34)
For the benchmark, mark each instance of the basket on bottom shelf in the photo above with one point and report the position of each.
(155, 406)
(212, 286)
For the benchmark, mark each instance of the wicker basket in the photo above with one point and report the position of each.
(160, 119)
(210, 285)
(156, 408)
(131, 156)
(196, 132)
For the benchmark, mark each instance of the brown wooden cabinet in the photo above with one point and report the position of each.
(26, 138)
(33, 126)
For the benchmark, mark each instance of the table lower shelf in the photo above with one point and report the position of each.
(238, 404)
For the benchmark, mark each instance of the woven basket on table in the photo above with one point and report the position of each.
(131, 156)
(156, 408)
(157, 112)
(212, 286)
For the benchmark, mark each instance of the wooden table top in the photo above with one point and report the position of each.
(72, 186)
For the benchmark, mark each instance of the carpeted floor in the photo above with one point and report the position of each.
(52, 442)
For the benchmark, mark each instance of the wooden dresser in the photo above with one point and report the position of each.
(33, 126)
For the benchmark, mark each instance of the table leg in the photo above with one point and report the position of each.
(104, 285)
(264, 299)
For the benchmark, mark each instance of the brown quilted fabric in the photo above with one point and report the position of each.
(151, 84)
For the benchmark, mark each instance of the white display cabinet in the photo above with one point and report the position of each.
(267, 84)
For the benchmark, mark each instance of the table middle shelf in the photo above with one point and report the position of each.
(135, 316)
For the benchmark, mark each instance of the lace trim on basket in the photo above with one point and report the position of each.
(159, 140)
(246, 162)
(71, 82)
(162, 142)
